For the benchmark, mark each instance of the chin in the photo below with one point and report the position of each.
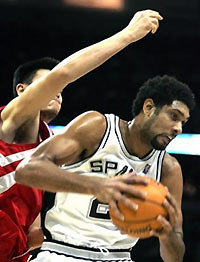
(158, 146)
(48, 115)
(161, 147)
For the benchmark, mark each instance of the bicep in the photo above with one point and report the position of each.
(172, 178)
(83, 134)
(60, 149)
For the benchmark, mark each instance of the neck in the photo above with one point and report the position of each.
(134, 139)
(47, 116)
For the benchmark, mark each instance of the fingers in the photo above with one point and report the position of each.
(128, 202)
(122, 231)
(155, 14)
(166, 227)
(142, 23)
(171, 211)
(172, 208)
(164, 223)
(132, 178)
(126, 184)
(134, 192)
(154, 18)
(155, 25)
(123, 188)
(123, 199)
(116, 212)
(131, 190)
(172, 201)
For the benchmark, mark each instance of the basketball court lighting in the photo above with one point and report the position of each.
(186, 144)
(115, 5)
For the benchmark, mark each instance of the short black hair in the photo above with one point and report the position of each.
(163, 90)
(26, 72)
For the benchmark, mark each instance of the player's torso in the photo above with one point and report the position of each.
(20, 203)
(81, 219)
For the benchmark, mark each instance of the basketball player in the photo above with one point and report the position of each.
(21, 130)
(21, 125)
(95, 162)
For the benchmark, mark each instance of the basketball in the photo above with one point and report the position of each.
(139, 223)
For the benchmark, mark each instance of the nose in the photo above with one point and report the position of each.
(178, 128)
(58, 95)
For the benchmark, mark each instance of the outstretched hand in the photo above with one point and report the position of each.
(142, 23)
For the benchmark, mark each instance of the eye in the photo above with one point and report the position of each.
(173, 116)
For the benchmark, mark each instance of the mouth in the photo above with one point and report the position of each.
(167, 139)
(55, 100)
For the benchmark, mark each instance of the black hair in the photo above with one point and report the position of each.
(163, 90)
(26, 72)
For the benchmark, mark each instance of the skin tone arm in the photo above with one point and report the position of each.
(172, 247)
(35, 234)
(79, 140)
(40, 92)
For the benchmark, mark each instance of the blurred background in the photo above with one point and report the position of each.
(32, 29)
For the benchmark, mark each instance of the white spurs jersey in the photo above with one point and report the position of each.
(82, 220)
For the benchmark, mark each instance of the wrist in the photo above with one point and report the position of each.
(126, 36)
(167, 236)
(96, 185)
(91, 184)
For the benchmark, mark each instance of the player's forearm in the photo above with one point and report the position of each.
(45, 175)
(172, 249)
(93, 56)
(69, 70)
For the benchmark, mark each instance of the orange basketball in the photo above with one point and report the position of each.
(139, 223)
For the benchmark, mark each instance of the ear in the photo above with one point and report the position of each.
(20, 88)
(148, 107)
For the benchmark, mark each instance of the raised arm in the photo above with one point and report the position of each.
(171, 238)
(41, 91)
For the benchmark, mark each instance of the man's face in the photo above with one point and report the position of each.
(165, 124)
(52, 109)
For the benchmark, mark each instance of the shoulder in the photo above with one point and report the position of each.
(88, 120)
(91, 116)
(1, 109)
(89, 127)
(170, 164)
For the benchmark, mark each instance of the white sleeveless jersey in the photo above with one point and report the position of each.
(82, 220)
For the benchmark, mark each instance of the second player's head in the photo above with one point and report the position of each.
(30, 71)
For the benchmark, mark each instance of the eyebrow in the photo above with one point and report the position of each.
(180, 112)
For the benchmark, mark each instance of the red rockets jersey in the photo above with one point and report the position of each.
(19, 205)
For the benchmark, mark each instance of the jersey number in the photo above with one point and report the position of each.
(98, 210)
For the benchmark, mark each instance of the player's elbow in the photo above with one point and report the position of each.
(61, 76)
(23, 172)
